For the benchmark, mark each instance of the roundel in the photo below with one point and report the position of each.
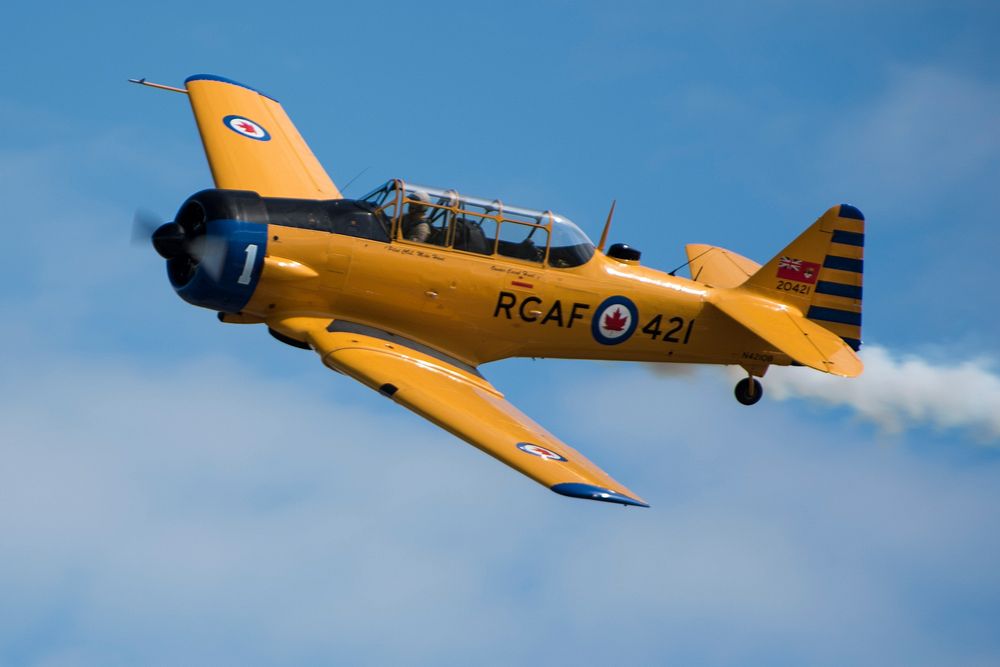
(246, 127)
(539, 451)
(614, 320)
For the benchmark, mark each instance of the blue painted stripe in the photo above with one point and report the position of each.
(834, 315)
(849, 238)
(838, 289)
(591, 492)
(848, 211)
(853, 342)
(844, 263)
(222, 79)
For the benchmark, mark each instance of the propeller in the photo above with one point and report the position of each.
(168, 238)
(173, 240)
(210, 253)
(144, 223)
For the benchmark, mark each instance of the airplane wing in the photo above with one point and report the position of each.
(251, 143)
(454, 396)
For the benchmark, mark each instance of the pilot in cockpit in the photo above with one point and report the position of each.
(415, 225)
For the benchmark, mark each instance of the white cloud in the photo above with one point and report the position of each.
(205, 513)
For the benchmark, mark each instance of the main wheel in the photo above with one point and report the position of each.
(747, 393)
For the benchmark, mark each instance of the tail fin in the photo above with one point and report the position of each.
(820, 272)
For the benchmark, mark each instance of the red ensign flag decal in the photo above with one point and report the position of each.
(796, 269)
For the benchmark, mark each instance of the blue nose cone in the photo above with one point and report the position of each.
(230, 258)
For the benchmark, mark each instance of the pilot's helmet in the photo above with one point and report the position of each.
(419, 198)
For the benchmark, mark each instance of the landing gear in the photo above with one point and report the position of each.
(748, 391)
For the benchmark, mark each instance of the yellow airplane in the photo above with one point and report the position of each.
(410, 289)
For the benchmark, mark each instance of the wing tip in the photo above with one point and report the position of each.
(591, 492)
(222, 79)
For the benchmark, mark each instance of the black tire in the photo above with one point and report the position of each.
(743, 391)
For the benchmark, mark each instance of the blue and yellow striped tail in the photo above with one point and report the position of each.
(820, 273)
(836, 304)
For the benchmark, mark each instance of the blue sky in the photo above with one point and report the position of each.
(177, 491)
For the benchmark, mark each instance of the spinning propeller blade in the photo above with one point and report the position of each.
(210, 252)
(144, 223)
(172, 241)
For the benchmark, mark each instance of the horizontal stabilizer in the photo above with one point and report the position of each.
(788, 331)
(719, 267)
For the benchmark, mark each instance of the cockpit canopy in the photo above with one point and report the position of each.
(447, 219)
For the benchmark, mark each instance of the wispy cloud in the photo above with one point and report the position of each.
(929, 133)
(259, 518)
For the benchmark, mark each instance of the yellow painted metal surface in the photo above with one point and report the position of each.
(477, 309)
(275, 162)
(719, 267)
(481, 309)
(787, 330)
(455, 399)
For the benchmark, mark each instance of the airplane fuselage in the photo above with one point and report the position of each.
(483, 309)
(282, 258)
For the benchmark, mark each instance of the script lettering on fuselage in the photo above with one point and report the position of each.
(515, 271)
(415, 252)
(533, 309)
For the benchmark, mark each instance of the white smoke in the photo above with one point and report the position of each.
(906, 391)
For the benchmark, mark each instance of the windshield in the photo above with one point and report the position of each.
(570, 246)
(445, 218)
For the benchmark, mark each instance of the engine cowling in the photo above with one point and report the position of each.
(215, 249)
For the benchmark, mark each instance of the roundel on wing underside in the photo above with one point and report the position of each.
(539, 451)
(614, 320)
(245, 127)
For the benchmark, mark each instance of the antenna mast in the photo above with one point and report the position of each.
(607, 226)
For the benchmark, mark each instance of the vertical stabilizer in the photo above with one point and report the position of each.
(820, 273)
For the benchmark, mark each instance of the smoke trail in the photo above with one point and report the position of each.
(897, 393)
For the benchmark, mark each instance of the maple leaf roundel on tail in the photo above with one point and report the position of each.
(614, 320)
